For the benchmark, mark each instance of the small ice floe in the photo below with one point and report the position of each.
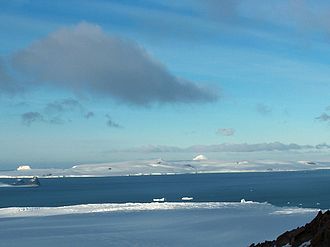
(318, 203)
(159, 199)
(244, 201)
(186, 198)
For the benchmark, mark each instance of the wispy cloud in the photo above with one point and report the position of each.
(61, 111)
(61, 106)
(263, 109)
(324, 117)
(30, 117)
(7, 83)
(89, 114)
(226, 147)
(57, 112)
(220, 10)
(111, 123)
(226, 131)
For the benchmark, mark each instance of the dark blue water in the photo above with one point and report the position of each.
(305, 189)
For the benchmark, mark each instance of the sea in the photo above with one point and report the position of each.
(307, 189)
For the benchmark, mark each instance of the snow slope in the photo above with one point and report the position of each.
(161, 167)
(149, 224)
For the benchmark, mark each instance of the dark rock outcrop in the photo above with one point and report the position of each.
(314, 234)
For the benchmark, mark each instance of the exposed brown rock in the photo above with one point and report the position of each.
(317, 232)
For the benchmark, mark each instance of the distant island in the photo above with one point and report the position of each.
(197, 165)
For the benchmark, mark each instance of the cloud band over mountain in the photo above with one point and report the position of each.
(227, 147)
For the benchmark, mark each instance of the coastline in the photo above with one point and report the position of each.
(173, 224)
(166, 168)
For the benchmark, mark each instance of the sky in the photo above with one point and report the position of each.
(96, 81)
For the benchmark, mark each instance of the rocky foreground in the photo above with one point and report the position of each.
(314, 234)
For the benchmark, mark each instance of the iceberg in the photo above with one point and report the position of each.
(185, 198)
(159, 199)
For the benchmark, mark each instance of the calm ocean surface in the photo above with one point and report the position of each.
(304, 189)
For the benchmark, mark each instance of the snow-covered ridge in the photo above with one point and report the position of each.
(161, 167)
(133, 207)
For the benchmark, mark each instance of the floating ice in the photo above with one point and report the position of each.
(128, 224)
(185, 198)
(119, 207)
(159, 199)
(244, 201)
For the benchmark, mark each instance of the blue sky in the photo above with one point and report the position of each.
(92, 81)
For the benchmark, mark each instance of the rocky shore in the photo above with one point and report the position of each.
(314, 234)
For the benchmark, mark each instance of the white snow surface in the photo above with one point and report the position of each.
(161, 167)
(200, 157)
(126, 207)
(306, 244)
(23, 167)
(149, 224)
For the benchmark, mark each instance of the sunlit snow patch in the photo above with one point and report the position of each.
(200, 157)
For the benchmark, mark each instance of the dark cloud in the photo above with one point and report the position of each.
(57, 112)
(111, 123)
(56, 120)
(263, 109)
(322, 146)
(60, 111)
(30, 117)
(89, 62)
(225, 147)
(89, 115)
(226, 131)
(324, 117)
(221, 10)
(7, 84)
(61, 106)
